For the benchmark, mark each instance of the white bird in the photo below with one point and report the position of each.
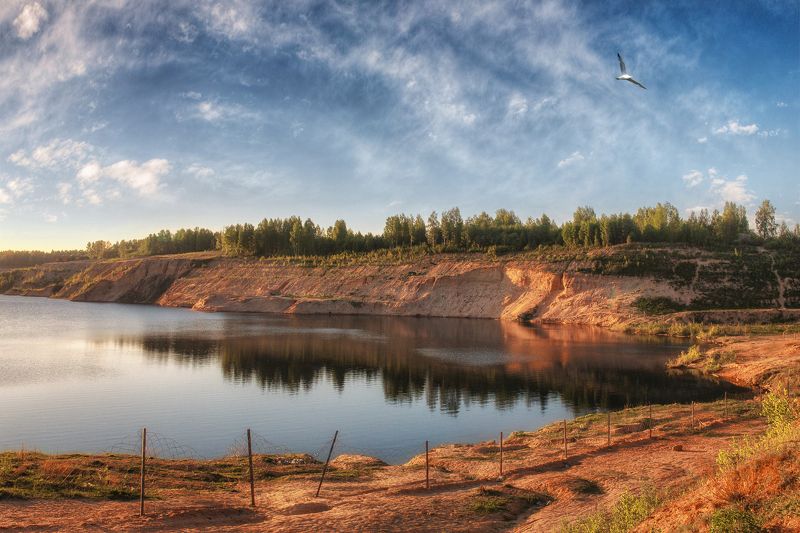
(625, 76)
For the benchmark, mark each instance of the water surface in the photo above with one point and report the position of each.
(85, 377)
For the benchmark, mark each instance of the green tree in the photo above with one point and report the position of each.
(766, 226)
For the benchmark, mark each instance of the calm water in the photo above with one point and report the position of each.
(86, 377)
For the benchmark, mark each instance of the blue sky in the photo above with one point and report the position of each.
(118, 118)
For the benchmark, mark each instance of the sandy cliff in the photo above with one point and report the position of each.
(588, 290)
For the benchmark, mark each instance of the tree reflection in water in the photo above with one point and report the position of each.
(447, 363)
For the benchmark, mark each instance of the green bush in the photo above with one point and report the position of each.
(657, 306)
(734, 520)
(629, 511)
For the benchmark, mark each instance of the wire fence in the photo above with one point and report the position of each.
(142, 464)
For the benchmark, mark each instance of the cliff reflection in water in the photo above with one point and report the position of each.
(447, 363)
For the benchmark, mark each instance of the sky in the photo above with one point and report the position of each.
(119, 118)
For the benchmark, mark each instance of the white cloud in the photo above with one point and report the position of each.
(702, 140)
(57, 152)
(199, 171)
(571, 159)
(692, 178)
(214, 111)
(64, 192)
(50, 218)
(770, 133)
(517, 105)
(209, 111)
(29, 20)
(19, 187)
(733, 127)
(734, 190)
(89, 173)
(5, 198)
(92, 196)
(145, 179)
(782, 104)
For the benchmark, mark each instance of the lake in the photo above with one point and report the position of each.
(87, 376)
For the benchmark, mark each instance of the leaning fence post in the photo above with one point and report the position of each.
(565, 440)
(427, 468)
(692, 415)
(250, 460)
(609, 428)
(141, 481)
(725, 405)
(325, 468)
(501, 454)
(650, 419)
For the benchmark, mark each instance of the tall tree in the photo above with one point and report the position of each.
(766, 226)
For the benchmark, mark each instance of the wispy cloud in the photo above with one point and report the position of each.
(733, 127)
(571, 159)
(57, 153)
(693, 178)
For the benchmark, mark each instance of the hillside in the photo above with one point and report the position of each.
(614, 286)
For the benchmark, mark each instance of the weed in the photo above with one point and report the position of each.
(686, 357)
(629, 511)
(734, 519)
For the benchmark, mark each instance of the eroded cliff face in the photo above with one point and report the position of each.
(560, 291)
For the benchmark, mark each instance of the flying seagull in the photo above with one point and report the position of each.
(625, 76)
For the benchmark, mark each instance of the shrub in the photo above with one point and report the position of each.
(687, 357)
(628, 512)
(659, 305)
(734, 520)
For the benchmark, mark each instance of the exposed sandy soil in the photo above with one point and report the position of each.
(366, 497)
(445, 285)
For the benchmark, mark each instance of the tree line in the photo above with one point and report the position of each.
(506, 232)
(445, 232)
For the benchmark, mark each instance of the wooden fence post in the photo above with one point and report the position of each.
(328, 460)
(565, 440)
(609, 428)
(250, 460)
(692, 415)
(725, 405)
(427, 468)
(501, 454)
(650, 419)
(141, 481)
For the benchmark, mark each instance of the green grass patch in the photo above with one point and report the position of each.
(629, 511)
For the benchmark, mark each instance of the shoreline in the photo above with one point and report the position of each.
(537, 492)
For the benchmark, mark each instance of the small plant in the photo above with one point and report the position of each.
(629, 511)
(781, 417)
(733, 520)
(687, 357)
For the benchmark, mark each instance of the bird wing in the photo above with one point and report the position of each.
(636, 83)
(621, 63)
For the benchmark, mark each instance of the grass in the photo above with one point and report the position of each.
(707, 332)
(27, 475)
(508, 500)
(30, 475)
(630, 510)
(686, 357)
